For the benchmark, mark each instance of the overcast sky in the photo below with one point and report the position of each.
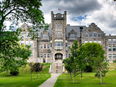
(84, 12)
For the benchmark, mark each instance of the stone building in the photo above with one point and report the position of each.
(51, 46)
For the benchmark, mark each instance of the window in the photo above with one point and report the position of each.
(68, 55)
(41, 46)
(48, 45)
(99, 34)
(90, 41)
(58, 43)
(95, 41)
(95, 34)
(90, 34)
(86, 34)
(69, 45)
(99, 42)
(60, 26)
(56, 27)
(114, 56)
(114, 41)
(114, 48)
(41, 55)
(109, 41)
(51, 44)
(31, 43)
(60, 34)
(45, 36)
(44, 55)
(109, 56)
(86, 41)
(66, 44)
(61, 44)
(32, 54)
(48, 55)
(22, 42)
(109, 48)
(26, 43)
(44, 45)
(72, 36)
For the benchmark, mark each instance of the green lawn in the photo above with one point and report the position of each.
(24, 78)
(88, 80)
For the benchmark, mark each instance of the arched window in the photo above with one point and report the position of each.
(72, 36)
(45, 36)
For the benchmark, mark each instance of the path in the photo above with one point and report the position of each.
(51, 81)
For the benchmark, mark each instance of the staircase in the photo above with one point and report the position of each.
(56, 68)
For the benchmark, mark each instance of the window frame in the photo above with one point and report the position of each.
(90, 34)
(99, 34)
(45, 36)
(86, 35)
(72, 36)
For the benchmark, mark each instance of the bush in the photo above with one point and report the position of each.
(36, 67)
(14, 72)
(88, 68)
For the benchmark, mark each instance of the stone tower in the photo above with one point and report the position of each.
(58, 26)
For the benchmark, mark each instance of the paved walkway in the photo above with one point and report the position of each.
(51, 81)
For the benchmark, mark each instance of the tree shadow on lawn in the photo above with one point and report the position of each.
(102, 83)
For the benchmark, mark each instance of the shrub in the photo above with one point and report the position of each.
(88, 68)
(14, 72)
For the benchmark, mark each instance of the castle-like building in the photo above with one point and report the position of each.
(51, 46)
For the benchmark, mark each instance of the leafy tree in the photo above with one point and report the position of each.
(68, 67)
(81, 58)
(23, 10)
(95, 57)
(13, 55)
(17, 11)
(74, 59)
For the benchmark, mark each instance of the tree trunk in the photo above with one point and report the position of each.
(81, 73)
(37, 74)
(74, 79)
(70, 76)
(100, 77)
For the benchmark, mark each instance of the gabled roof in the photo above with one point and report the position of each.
(75, 28)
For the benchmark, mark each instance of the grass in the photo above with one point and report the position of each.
(24, 77)
(88, 79)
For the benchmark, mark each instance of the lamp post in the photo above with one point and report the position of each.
(80, 43)
(80, 33)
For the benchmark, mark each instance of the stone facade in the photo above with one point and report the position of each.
(51, 46)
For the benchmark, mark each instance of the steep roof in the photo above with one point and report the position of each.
(75, 28)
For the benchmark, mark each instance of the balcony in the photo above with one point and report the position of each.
(58, 47)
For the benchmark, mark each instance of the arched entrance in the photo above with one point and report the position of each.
(58, 58)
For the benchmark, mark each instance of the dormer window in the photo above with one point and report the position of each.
(45, 36)
(72, 36)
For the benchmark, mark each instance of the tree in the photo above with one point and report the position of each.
(68, 67)
(13, 55)
(74, 59)
(81, 58)
(95, 57)
(23, 10)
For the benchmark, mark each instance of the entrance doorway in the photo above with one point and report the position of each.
(58, 58)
